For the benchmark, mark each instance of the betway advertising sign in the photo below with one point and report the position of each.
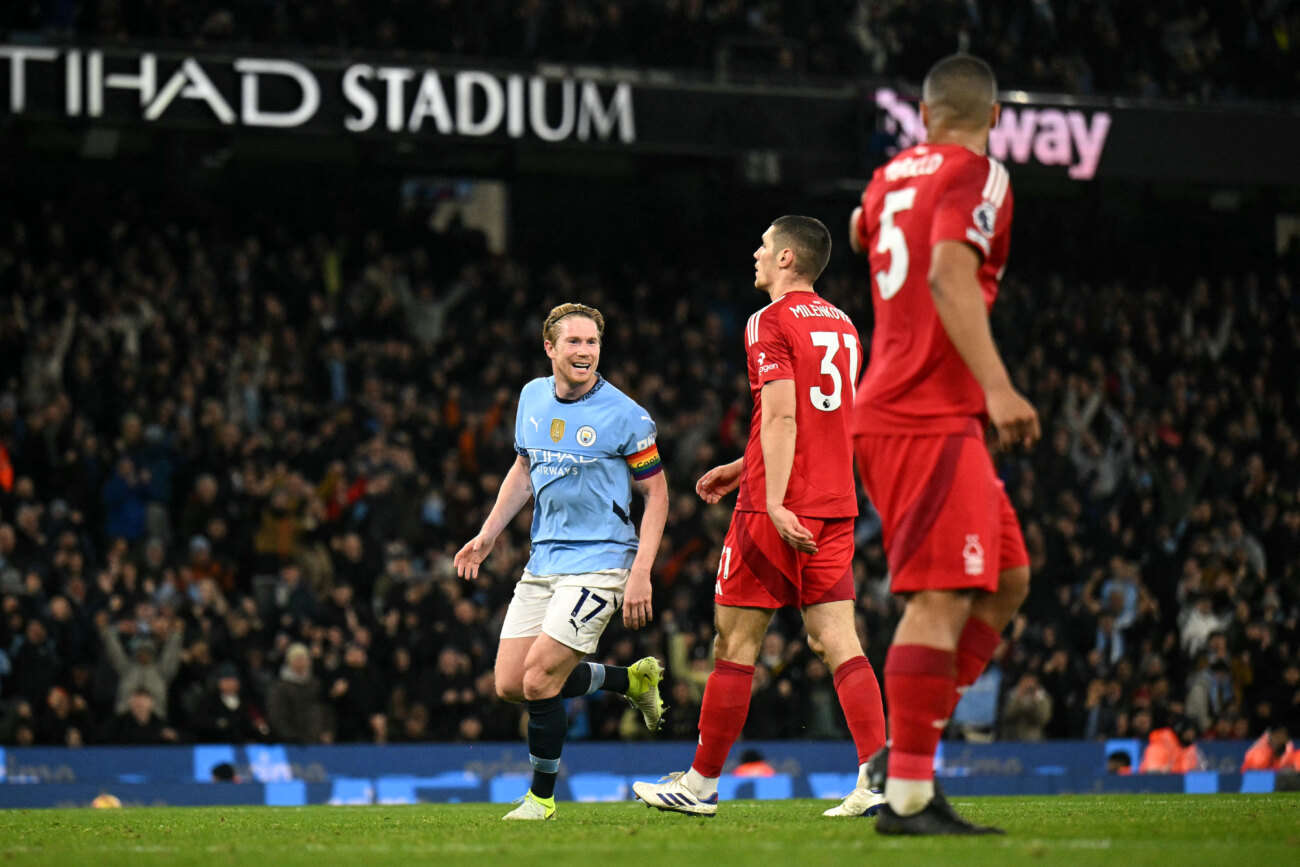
(1047, 135)
(1125, 140)
(258, 92)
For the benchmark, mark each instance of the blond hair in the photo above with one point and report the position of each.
(551, 329)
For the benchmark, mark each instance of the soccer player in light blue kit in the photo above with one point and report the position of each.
(583, 446)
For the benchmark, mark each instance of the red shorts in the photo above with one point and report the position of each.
(948, 522)
(759, 570)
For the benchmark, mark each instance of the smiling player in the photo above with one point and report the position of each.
(583, 447)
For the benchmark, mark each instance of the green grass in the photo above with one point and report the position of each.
(1111, 830)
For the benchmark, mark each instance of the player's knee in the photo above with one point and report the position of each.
(539, 684)
(510, 691)
(733, 649)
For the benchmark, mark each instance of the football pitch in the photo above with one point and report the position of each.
(1130, 830)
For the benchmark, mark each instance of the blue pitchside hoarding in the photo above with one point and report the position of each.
(452, 773)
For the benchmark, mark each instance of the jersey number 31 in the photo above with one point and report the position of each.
(893, 242)
(830, 341)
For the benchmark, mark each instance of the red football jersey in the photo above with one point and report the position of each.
(916, 380)
(803, 337)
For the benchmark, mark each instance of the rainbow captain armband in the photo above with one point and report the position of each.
(645, 463)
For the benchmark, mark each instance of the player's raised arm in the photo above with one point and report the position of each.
(959, 301)
(515, 491)
(778, 440)
(637, 610)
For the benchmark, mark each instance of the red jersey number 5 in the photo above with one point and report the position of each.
(893, 242)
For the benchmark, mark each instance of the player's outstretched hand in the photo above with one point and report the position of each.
(636, 601)
(719, 481)
(796, 535)
(1014, 417)
(470, 557)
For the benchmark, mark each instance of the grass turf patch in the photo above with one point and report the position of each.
(1105, 830)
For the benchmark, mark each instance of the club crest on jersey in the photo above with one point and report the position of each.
(586, 435)
(973, 555)
(986, 218)
(557, 429)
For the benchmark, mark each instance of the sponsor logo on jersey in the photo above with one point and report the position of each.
(534, 421)
(557, 429)
(586, 435)
(973, 554)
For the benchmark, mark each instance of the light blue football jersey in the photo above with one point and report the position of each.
(582, 458)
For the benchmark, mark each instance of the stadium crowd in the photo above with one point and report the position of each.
(1171, 48)
(238, 456)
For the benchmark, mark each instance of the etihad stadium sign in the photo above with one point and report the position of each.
(278, 93)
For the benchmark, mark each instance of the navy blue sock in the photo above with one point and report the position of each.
(547, 723)
(588, 677)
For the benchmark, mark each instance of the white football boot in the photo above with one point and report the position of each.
(860, 802)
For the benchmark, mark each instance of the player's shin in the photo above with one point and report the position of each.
(859, 694)
(722, 715)
(547, 723)
(589, 677)
(919, 683)
(976, 646)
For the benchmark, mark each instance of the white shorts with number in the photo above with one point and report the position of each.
(572, 609)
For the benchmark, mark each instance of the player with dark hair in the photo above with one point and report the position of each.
(791, 535)
(935, 222)
(583, 447)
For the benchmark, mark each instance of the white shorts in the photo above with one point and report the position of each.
(572, 609)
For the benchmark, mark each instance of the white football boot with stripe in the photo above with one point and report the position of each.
(671, 793)
(860, 802)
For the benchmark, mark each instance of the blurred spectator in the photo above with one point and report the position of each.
(1027, 711)
(1119, 763)
(34, 663)
(224, 772)
(139, 725)
(1273, 751)
(63, 721)
(357, 694)
(225, 716)
(752, 764)
(144, 668)
(1173, 750)
(296, 710)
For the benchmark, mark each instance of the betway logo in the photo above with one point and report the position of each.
(1048, 136)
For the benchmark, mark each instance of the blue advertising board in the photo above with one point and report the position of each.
(494, 772)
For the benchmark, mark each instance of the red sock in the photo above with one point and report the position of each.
(978, 642)
(722, 715)
(859, 692)
(919, 682)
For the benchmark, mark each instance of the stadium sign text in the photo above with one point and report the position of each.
(286, 94)
(1046, 135)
